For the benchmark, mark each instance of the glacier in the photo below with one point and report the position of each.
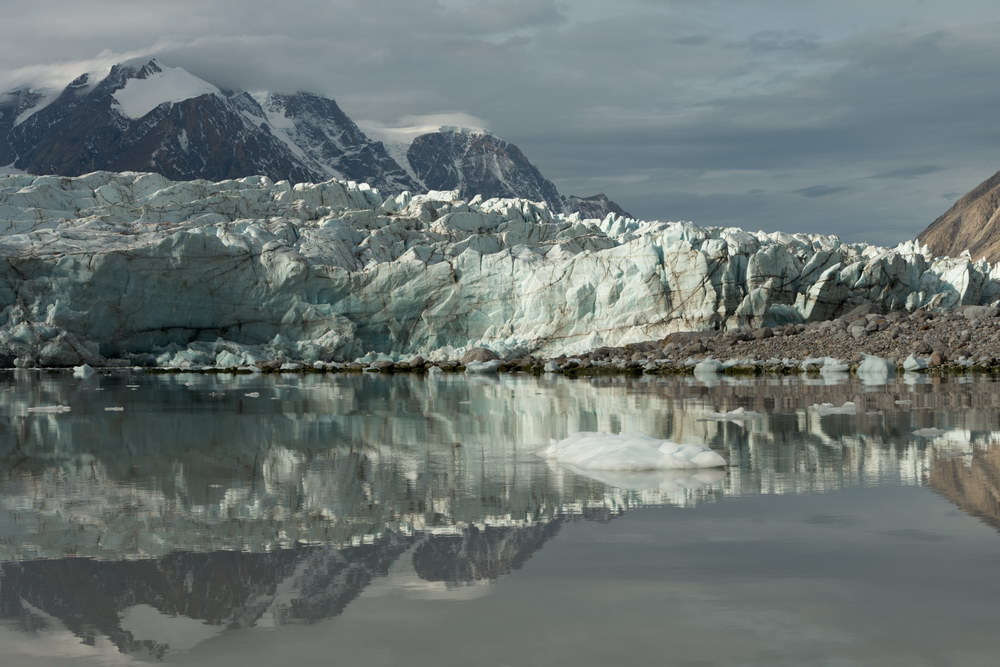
(132, 268)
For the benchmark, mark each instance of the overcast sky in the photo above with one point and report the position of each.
(862, 118)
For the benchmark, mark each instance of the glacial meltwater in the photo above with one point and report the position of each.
(409, 520)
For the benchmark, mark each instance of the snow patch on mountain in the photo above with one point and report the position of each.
(398, 139)
(45, 98)
(169, 85)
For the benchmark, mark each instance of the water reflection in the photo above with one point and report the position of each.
(215, 502)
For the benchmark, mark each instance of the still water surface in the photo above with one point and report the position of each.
(407, 521)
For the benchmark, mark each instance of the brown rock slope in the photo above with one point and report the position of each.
(972, 224)
(972, 484)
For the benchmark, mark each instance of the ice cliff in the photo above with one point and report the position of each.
(133, 266)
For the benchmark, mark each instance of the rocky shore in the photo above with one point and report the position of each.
(962, 340)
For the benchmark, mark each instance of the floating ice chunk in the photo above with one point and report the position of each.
(551, 366)
(875, 370)
(482, 367)
(665, 481)
(930, 432)
(252, 394)
(84, 371)
(831, 365)
(847, 408)
(904, 401)
(913, 363)
(628, 451)
(739, 414)
(708, 366)
(873, 365)
(434, 370)
(115, 408)
(50, 408)
(812, 362)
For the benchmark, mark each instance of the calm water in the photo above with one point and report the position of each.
(406, 521)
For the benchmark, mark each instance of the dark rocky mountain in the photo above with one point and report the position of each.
(972, 224)
(477, 162)
(92, 599)
(150, 117)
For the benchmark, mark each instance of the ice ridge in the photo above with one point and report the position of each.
(133, 266)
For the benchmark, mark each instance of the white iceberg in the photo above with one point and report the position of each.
(739, 414)
(847, 408)
(482, 367)
(84, 371)
(669, 482)
(831, 365)
(708, 367)
(628, 451)
(913, 364)
(54, 409)
(930, 432)
(873, 365)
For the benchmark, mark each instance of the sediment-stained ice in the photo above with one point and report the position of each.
(135, 267)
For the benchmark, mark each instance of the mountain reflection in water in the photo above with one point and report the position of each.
(202, 501)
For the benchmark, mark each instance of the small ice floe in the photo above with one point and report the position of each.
(668, 482)
(875, 370)
(84, 371)
(737, 415)
(50, 409)
(115, 408)
(904, 401)
(252, 394)
(482, 367)
(913, 364)
(628, 451)
(708, 367)
(551, 366)
(434, 370)
(930, 432)
(831, 365)
(823, 409)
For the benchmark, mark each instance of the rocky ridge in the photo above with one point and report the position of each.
(971, 225)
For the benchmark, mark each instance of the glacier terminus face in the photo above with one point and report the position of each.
(137, 268)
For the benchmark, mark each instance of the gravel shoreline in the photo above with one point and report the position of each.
(963, 340)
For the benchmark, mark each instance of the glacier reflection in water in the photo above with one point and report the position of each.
(214, 502)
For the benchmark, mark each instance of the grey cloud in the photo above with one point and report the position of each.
(772, 41)
(693, 40)
(819, 190)
(776, 98)
(907, 172)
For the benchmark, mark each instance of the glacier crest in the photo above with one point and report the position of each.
(134, 266)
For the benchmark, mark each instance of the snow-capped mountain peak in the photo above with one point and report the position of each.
(154, 85)
(143, 115)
